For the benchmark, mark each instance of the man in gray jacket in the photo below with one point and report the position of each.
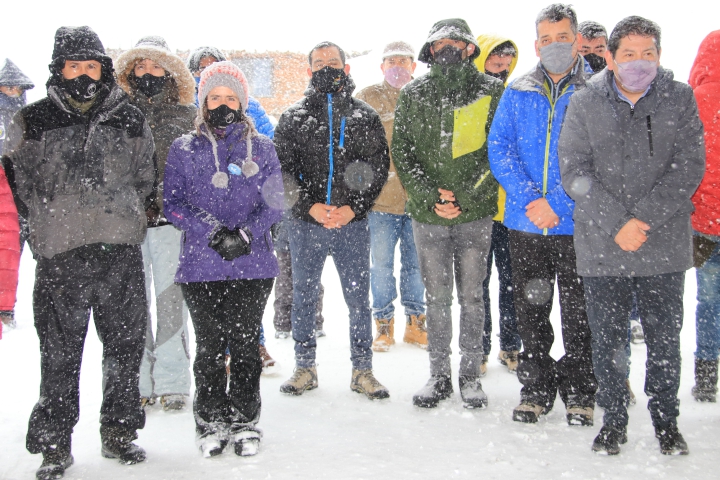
(83, 166)
(631, 155)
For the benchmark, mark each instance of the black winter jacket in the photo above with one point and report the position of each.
(82, 177)
(358, 166)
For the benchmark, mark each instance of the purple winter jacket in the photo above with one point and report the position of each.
(193, 204)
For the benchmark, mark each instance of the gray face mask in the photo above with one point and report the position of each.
(557, 57)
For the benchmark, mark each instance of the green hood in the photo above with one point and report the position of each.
(453, 28)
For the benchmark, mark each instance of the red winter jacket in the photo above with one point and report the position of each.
(705, 82)
(9, 247)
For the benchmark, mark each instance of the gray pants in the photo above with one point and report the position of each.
(165, 367)
(460, 252)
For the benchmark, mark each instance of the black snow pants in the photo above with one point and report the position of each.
(227, 314)
(537, 260)
(109, 281)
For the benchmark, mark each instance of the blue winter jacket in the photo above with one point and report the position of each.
(194, 205)
(522, 146)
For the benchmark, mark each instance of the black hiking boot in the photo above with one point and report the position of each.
(472, 393)
(54, 464)
(609, 439)
(117, 443)
(671, 441)
(436, 389)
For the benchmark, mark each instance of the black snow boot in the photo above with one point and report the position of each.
(609, 439)
(706, 379)
(117, 443)
(436, 389)
(54, 464)
(671, 441)
(472, 393)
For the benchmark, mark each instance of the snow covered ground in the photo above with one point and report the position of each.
(335, 433)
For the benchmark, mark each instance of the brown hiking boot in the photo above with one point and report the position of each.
(484, 366)
(577, 415)
(509, 359)
(303, 379)
(528, 412)
(385, 333)
(415, 332)
(267, 360)
(363, 381)
(632, 400)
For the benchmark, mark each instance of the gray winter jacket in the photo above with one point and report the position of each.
(618, 162)
(83, 178)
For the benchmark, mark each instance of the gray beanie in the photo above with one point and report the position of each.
(193, 61)
(398, 49)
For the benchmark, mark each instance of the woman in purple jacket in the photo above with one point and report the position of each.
(223, 188)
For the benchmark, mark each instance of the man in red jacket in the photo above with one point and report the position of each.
(705, 82)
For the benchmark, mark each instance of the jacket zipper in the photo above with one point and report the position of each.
(548, 136)
(341, 144)
(649, 130)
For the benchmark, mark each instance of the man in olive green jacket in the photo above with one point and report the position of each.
(440, 151)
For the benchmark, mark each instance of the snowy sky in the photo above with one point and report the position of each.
(27, 31)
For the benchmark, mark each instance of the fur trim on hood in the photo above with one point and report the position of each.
(156, 50)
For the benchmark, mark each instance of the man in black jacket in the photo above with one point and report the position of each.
(83, 166)
(333, 151)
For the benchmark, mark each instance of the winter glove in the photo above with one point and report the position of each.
(275, 231)
(231, 244)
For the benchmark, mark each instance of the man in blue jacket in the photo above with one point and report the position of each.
(523, 157)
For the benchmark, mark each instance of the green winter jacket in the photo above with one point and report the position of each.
(440, 141)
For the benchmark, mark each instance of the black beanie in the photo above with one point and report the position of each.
(80, 43)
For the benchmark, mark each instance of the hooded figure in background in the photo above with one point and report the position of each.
(13, 85)
(161, 86)
(705, 82)
(82, 159)
(498, 58)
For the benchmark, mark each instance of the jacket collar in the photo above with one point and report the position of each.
(108, 100)
(602, 84)
(316, 98)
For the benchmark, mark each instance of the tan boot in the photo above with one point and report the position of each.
(385, 332)
(415, 332)
(509, 359)
(363, 381)
(303, 379)
(483, 366)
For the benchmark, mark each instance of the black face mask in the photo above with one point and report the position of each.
(150, 85)
(501, 75)
(329, 79)
(448, 55)
(82, 88)
(596, 62)
(223, 116)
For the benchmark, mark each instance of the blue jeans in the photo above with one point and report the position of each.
(385, 231)
(707, 314)
(350, 248)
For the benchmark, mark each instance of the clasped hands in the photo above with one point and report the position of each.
(330, 216)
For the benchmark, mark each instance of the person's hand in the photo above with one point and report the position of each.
(447, 206)
(340, 217)
(632, 235)
(541, 214)
(321, 212)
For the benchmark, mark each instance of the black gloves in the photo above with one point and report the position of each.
(231, 244)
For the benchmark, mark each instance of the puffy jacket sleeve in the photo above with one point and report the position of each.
(419, 186)
(269, 210)
(291, 164)
(374, 152)
(146, 169)
(179, 211)
(260, 118)
(9, 246)
(578, 173)
(684, 174)
(504, 152)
